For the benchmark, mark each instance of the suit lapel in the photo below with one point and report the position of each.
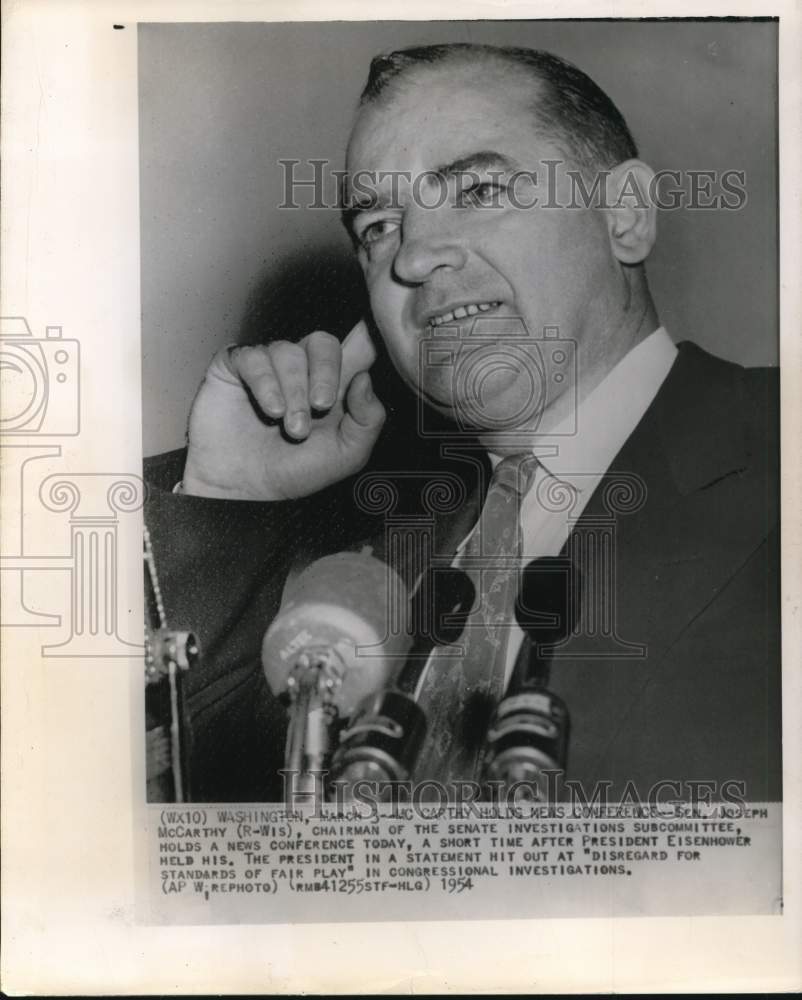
(672, 556)
(693, 532)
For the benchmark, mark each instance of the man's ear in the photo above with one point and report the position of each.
(631, 212)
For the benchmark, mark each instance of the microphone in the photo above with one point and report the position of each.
(337, 640)
(529, 732)
(380, 744)
(383, 738)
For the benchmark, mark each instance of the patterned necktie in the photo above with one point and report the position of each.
(459, 693)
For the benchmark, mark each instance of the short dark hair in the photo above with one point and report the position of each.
(570, 109)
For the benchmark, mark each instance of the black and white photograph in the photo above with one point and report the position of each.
(529, 323)
(478, 499)
(459, 516)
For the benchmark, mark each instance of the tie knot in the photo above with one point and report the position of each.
(516, 472)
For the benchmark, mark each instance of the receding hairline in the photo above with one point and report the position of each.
(567, 106)
(532, 88)
(468, 59)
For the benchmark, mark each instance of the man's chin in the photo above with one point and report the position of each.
(480, 418)
(443, 408)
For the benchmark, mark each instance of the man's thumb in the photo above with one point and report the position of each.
(364, 414)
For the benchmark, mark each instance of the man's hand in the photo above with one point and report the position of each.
(284, 420)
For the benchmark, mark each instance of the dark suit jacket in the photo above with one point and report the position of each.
(696, 585)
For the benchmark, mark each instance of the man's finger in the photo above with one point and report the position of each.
(252, 367)
(363, 419)
(290, 365)
(358, 354)
(323, 354)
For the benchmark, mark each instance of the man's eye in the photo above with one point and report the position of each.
(484, 194)
(375, 231)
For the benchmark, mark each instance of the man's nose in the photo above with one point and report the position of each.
(427, 244)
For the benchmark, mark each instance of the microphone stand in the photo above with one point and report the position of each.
(331, 647)
(311, 688)
(529, 733)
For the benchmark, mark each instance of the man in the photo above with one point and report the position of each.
(463, 171)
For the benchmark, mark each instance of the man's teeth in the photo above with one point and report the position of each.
(462, 311)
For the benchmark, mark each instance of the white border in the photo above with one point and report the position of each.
(70, 235)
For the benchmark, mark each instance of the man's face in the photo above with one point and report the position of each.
(432, 272)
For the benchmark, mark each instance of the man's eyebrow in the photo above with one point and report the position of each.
(484, 159)
(367, 201)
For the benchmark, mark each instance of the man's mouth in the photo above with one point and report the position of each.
(462, 312)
